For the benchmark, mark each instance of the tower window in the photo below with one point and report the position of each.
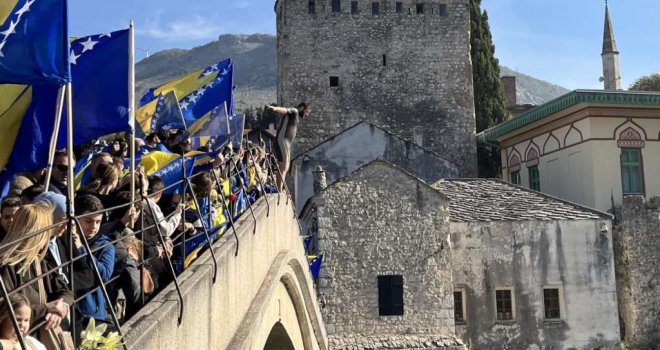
(354, 7)
(311, 8)
(384, 60)
(390, 295)
(442, 9)
(420, 9)
(399, 7)
(375, 8)
(336, 6)
(334, 81)
(459, 306)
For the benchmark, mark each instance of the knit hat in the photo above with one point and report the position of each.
(56, 200)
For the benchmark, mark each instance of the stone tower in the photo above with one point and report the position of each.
(402, 65)
(611, 69)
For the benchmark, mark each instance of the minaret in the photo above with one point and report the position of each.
(611, 69)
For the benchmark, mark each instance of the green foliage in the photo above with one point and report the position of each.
(259, 118)
(647, 83)
(489, 101)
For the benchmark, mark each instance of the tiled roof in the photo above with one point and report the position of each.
(495, 200)
(408, 341)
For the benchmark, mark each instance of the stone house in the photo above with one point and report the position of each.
(386, 276)
(529, 271)
(514, 268)
(404, 66)
(590, 147)
(361, 144)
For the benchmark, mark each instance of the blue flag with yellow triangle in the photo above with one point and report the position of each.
(34, 42)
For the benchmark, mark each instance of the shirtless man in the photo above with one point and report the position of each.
(286, 134)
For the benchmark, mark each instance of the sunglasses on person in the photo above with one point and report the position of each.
(62, 167)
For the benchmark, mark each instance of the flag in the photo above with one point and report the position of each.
(34, 44)
(99, 79)
(218, 129)
(199, 93)
(99, 74)
(307, 242)
(167, 114)
(171, 172)
(315, 266)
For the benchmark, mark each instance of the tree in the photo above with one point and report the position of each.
(489, 101)
(647, 83)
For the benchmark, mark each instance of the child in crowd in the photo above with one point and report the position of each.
(93, 305)
(23, 311)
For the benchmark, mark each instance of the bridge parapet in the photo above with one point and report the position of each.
(263, 295)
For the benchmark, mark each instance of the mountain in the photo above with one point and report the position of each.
(533, 91)
(255, 73)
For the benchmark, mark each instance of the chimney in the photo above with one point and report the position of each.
(509, 87)
(320, 182)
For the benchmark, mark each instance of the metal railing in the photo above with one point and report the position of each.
(235, 170)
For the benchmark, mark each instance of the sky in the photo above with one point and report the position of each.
(557, 40)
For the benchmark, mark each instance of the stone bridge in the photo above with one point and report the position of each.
(263, 296)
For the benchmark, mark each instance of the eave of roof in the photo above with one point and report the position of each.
(572, 98)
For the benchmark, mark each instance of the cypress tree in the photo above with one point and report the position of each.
(489, 101)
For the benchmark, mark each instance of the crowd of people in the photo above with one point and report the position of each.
(123, 246)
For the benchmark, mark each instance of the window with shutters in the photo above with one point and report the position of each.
(632, 173)
(390, 295)
(534, 178)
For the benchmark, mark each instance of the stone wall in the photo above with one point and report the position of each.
(409, 73)
(637, 247)
(572, 255)
(358, 146)
(383, 221)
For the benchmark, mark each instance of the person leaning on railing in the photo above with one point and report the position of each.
(21, 261)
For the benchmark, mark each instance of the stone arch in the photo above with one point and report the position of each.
(630, 137)
(286, 296)
(551, 144)
(573, 136)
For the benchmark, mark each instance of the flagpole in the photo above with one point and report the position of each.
(69, 147)
(131, 103)
(228, 129)
(55, 135)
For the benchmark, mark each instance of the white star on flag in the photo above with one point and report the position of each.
(25, 8)
(11, 29)
(109, 35)
(192, 98)
(184, 105)
(2, 44)
(88, 45)
(225, 71)
(73, 57)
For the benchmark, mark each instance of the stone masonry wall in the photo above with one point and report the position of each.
(409, 73)
(637, 253)
(381, 221)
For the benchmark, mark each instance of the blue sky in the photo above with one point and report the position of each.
(558, 40)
